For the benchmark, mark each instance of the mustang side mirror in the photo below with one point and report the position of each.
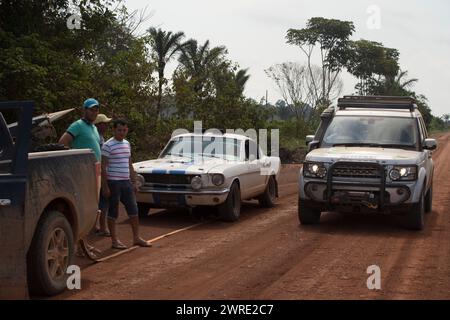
(429, 144)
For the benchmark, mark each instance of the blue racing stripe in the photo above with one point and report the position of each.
(177, 171)
(159, 171)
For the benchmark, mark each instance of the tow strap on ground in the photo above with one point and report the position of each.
(92, 257)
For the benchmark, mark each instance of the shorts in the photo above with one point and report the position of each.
(123, 191)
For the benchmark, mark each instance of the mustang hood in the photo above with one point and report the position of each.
(183, 165)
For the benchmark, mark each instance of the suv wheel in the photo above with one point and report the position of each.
(415, 218)
(429, 200)
(307, 215)
(230, 210)
(50, 255)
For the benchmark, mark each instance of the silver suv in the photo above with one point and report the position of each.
(371, 154)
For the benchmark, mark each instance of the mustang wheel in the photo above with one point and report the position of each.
(143, 209)
(267, 199)
(230, 210)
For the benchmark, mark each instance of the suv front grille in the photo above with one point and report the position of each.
(357, 170)
(177, 179)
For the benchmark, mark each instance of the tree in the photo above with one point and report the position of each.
(197, 62)
(164, 45)
(241, 77)
(371, 62)
(332, 36)
(295, 83)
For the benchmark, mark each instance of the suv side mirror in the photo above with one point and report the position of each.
(429, 144)
(308, 139)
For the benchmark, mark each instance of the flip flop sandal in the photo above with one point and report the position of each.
(119, 246)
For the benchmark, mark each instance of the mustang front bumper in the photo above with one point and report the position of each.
(163, 198)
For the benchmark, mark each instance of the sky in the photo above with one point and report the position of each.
(254, 33)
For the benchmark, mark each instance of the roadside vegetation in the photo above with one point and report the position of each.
(44, 60)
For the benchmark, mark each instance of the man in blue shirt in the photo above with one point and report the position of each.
(83, 134)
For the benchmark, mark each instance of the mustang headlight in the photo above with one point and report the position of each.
(403, 173)
(140, 181)
(196, 183)
(217, 179)
(314, 170)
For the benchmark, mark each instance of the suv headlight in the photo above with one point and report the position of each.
(403, 173)
(314, 170)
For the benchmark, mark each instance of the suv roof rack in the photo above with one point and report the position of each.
(378, 102)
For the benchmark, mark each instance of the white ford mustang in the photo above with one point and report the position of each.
(208, 170)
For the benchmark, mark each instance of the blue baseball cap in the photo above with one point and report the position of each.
(91, 102)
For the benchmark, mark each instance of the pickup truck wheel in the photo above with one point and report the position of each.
(415, 218)
(267, 199)
(50, 254)
(143, 209)
(230, 210)
(429, 200)
(307, 215)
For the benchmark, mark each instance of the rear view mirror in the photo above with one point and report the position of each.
(308, 139)
(429, 144)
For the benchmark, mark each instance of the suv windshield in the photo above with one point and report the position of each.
(371, 131)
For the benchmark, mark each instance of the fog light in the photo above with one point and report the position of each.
(394, 174)
(196, 183)
(400, 192)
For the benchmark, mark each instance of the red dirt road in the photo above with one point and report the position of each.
(268, 255)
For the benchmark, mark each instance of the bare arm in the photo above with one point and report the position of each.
(66, 139)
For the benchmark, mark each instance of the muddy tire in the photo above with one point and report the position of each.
(50, 253)
(230, 210)
(267, 199)
(143, 209)
(307, 215)
(414, 220)
(429, 200)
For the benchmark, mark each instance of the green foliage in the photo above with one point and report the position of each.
(369, 61)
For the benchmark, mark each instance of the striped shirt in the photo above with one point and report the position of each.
(118, 154)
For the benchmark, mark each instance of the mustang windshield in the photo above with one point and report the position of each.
(205, 146)
(387, 132)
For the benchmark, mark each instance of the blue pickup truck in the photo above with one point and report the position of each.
(48, 200)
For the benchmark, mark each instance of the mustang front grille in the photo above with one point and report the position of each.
(167, 178)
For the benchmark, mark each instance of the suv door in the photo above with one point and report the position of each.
(429, 164)
(13, 183)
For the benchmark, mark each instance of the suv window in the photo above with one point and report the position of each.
(372, 131)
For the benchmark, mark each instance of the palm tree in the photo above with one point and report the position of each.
(241, 77)
(195, 60)
(165, 45)
(399, 85)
